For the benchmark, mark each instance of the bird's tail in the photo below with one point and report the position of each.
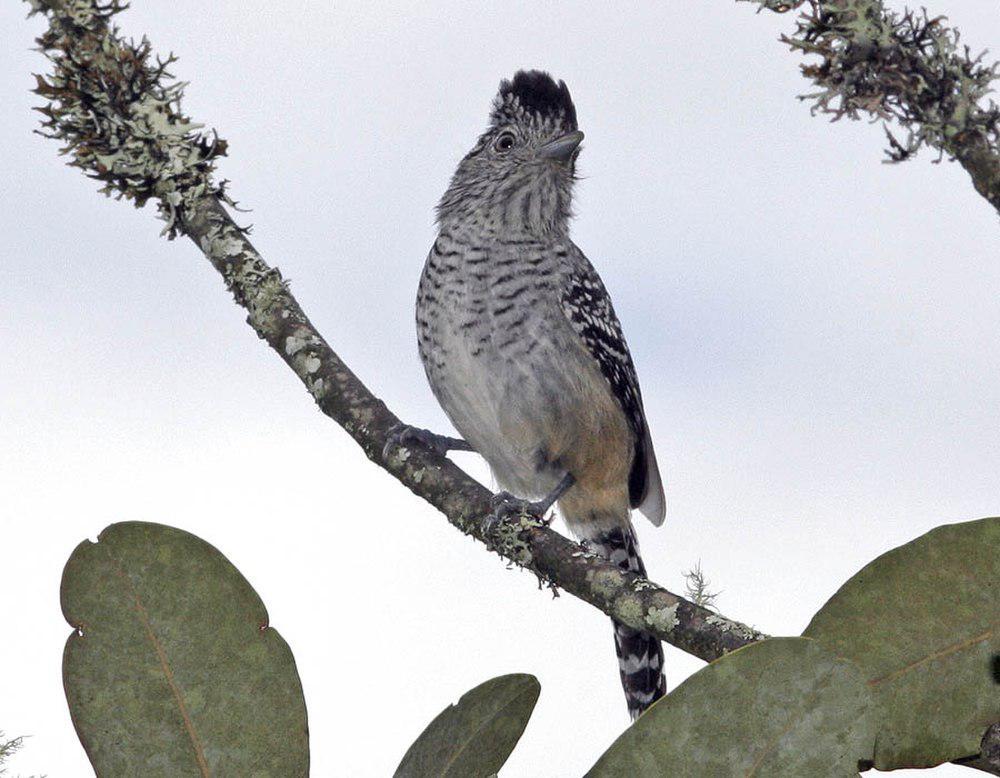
(640, 655)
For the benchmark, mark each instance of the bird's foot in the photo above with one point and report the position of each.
(506, 507)
(401, 434)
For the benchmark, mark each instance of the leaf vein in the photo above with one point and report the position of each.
(953, 648)
(168, 673)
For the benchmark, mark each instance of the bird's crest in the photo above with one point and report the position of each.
(534, 92)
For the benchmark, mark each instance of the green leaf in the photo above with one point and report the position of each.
(172, 669)
(474, 737)
(921, 621)
(785, 706)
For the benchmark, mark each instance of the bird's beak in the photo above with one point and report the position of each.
(562, 148)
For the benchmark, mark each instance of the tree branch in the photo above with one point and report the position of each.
(905, 68)
(118, 116)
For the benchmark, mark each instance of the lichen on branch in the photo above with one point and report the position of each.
(116, 110)
(907, 69)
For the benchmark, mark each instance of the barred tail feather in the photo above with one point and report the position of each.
(640, 655)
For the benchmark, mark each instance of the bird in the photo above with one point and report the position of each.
(524, 352)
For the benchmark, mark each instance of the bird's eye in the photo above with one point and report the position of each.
(505, 142)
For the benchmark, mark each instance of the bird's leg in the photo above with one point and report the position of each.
(560, 489)
(506, 505)
(401, 434)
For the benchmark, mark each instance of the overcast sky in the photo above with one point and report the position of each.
(815, 334)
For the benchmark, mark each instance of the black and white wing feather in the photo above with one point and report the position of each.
(588, 307)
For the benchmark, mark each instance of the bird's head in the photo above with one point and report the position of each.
(518, 178)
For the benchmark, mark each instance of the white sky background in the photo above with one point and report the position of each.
(815, 332)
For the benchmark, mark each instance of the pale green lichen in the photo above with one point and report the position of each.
(741, 630)
(221, 246)
(908, 68)
(265, 289)
(506, 538)
(629, 609)
(663, 619)
(605, 583)
(117, 113)
(317, 388)
(294, 344)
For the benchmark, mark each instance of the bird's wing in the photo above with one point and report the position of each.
(587, 305)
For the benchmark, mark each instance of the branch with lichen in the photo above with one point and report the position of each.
(118, 115)
(907, 69)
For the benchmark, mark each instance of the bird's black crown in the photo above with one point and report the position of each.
(535, 91)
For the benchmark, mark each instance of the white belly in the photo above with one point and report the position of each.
(504, 408)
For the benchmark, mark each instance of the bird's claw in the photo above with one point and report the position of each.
(394, 439)
(401, 434)
(507, 507)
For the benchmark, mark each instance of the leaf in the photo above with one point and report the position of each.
(474, 737)
(921, 621)
(172, 669)
(785, 706)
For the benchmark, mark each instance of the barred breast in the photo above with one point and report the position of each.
(510, 372)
